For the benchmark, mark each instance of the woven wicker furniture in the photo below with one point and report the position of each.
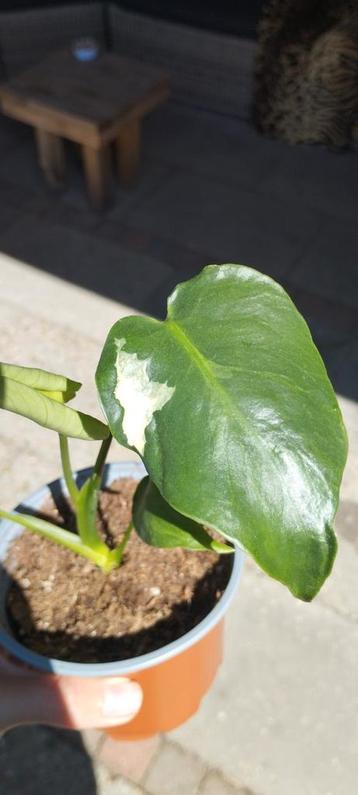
(207, 69)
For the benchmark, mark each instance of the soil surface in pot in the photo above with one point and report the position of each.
(62, 606)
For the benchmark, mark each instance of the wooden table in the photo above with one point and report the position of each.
(94, 104)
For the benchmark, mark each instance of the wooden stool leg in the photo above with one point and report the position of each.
(97, 171)
(128, 153)
(51, 154)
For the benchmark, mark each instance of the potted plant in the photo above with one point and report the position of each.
(229, 406)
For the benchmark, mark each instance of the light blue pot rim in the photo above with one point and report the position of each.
(9, 531)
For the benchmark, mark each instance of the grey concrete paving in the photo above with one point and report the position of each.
(173, 769)
(282, 715)
(210, 189)
(75, 256)
(214, 784)
(329, 266)
(56, 327)
(203, 212)
(106, 785)
(317, 178)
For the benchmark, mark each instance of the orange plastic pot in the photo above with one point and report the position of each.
(173, 690)
(174, 679)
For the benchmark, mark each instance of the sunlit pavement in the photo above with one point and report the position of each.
(281, 718)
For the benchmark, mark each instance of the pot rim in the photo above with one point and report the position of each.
(9, 531)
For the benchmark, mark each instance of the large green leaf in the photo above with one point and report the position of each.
(229, 404)
(159, 525)
(58, 387)
(33, 404)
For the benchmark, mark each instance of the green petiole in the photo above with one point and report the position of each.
(87, 543)
(67, 470)
(101, 458)
(116, 555)
(60, 536)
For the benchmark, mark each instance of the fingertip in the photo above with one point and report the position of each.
(122, 700)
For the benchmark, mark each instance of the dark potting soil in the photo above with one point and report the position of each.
(63, 606)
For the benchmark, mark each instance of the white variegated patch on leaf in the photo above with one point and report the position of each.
(138, 395)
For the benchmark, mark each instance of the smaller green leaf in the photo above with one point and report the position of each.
(60, 397)
(54, 386)
(31, 403)
(159, 525)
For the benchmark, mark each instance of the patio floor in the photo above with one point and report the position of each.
(281, 718)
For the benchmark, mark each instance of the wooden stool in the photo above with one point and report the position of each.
(94, 104)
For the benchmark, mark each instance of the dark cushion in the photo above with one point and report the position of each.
(238, 17)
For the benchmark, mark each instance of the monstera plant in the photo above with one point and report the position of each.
(230, 407)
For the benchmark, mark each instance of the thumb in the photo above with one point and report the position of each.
(68, 701)
(99, 702)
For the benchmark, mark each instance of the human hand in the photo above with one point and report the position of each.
(73, 703)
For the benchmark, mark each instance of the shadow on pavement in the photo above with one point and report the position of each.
(210, 190)
(38, 760)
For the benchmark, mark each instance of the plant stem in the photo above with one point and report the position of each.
(59, 535)
(86, 508)
(101, 458)
(67, 470)
(88, 543)
(116, 555)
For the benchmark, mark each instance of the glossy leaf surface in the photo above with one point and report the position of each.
(229, 404)
(159, 525)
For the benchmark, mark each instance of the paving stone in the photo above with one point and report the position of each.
(340, 590)
(234, 224)
(22, 469)
(106, 785)
(331, 321)
(174, 772)
(282, 716)
(329, 265)
(12, 134)
(341, 363)
(92, 740)
(85, 259)
(40, 294)
(13, 201)
(314, 176)
(129, 759)
(347, 523)
(151, 176)
(214, 784)
(20, 167)
(349, 490)
(9, 215)
(54, 209)
(212, 145)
